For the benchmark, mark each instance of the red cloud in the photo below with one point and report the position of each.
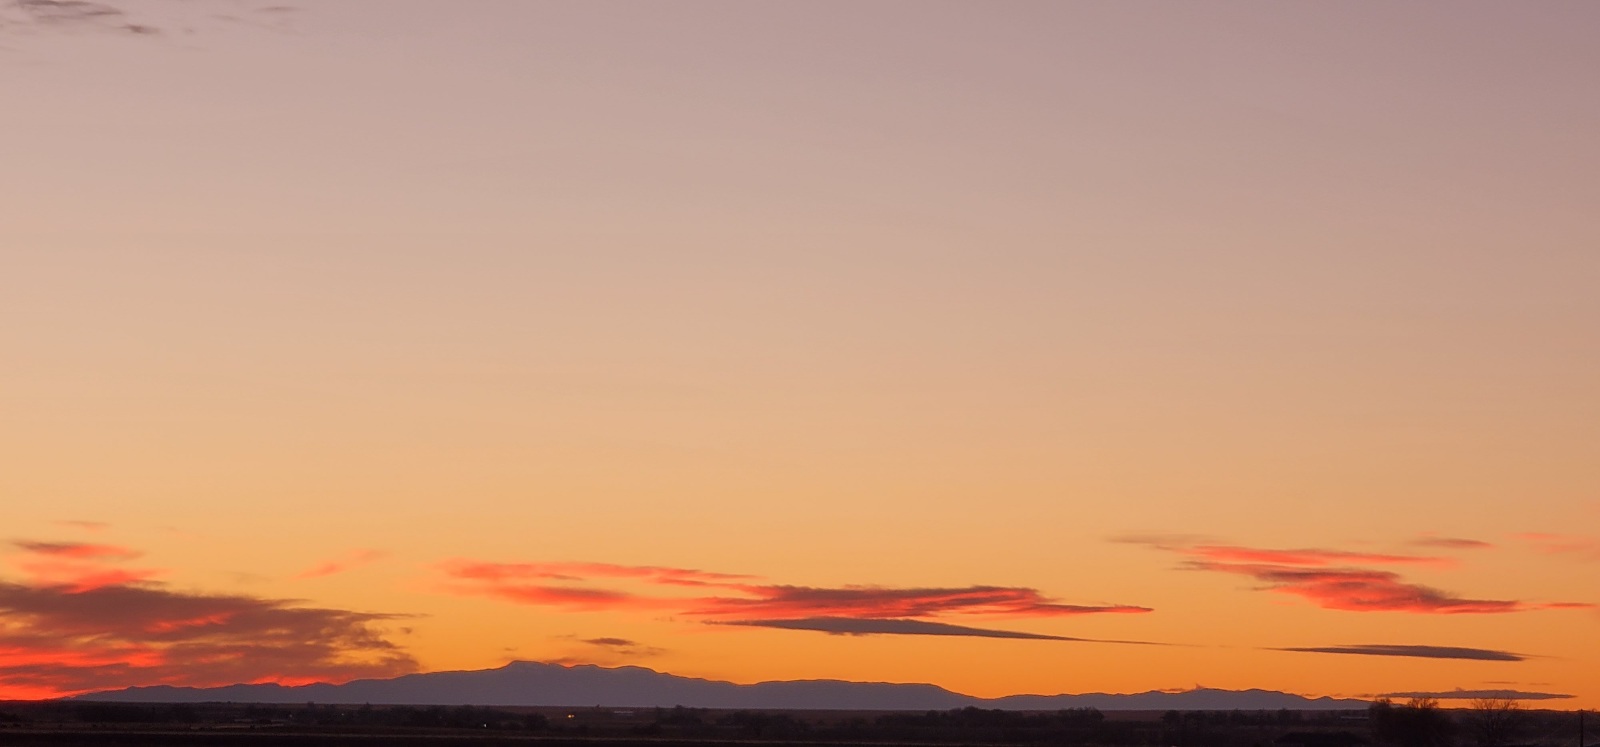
(875, 602)
(353, 559)
(1362, 590)
(77, 566)
(522, 583)
(55, 641)
(78, 550)
(1312, 574)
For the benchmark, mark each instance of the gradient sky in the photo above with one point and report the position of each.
(892, 341)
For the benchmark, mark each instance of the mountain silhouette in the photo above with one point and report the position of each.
(525, 683)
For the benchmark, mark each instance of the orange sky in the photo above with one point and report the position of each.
(893, 341)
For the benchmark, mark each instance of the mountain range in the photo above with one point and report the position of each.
(525, 683)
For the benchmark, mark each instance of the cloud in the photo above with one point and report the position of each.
(78, 566)
(624, 647)
(859, 627)
(348, 561)
(1420, 652)
(1363, 590)
(1569, 545)
(55, 641)
(578, 571)
(119, 16)
(77, 550)
(877, 602)
(73, 13)
(738, 600)
(87, 526)
(1450, 543)
(1476, 694)
(611, 642)
(1312, 575)
(1309, 556)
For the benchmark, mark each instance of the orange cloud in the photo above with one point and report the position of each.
(1307, 556)
(578, 571)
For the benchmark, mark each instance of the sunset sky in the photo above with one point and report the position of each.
(1015, 347)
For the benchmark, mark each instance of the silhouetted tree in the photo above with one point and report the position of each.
(1418, 723)
(1495, 722)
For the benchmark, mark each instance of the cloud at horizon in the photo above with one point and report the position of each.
(1477, 694)
(55, 641)
(1413, 651)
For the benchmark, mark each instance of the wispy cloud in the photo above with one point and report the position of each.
(1450, 543)
(1312, 574)
(1419, 652)
(1569, 545)
(1476, 694)
(150, 18)
(877, 602)
(740, 599)
(72, 14)
(859, 627)
(78, 566)
(577, 571)
(348, 561)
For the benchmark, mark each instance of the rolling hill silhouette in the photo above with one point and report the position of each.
(525, 683)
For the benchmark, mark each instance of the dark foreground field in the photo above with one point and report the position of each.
(71, 724)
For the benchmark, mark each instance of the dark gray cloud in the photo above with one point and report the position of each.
(860, 626)
(1419, 652)
(1451, 543)
(613, 642)
(1476, 694)
(72, 13)
(119, 15)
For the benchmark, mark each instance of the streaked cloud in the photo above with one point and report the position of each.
(77, 550)
(1476, 694)
(1413, 651)
(1312, 574)
(1574, 546)
(149, 18)
(877, 602)
(1450, 543)
(577, 571)
(72, 13)
(348, 561)
(859, 627)
(865, 609)
(78, 566)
